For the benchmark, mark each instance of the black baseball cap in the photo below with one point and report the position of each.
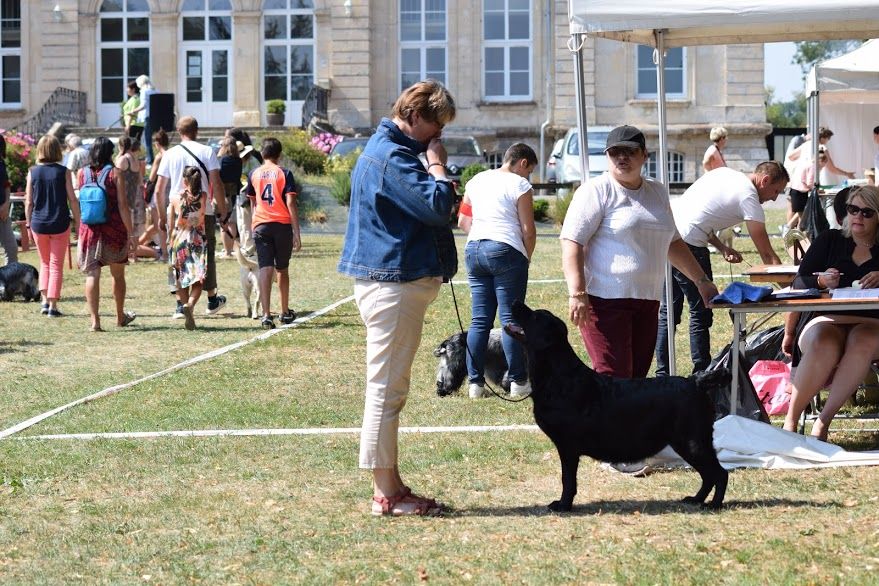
(626, 136)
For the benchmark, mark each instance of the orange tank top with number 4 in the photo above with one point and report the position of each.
(270, 187)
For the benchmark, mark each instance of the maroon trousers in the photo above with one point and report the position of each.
(620, 335)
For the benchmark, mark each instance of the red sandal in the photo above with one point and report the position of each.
(406, 503)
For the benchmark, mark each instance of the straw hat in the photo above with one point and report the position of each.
(243, 151)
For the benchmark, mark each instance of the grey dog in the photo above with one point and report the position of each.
(452, 368)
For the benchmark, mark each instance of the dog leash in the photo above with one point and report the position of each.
(467, 348)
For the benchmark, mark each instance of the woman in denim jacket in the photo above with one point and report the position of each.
(397, 209)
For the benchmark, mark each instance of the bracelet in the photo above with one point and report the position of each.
(578, 295)
(433, 164)
(704, 279)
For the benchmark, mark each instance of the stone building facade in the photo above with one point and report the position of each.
(506, 62)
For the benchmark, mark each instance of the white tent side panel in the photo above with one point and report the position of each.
(700, 22)
(848, 93)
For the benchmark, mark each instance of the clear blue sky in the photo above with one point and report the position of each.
(780, 73)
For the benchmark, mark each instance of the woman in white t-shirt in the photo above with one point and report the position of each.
(498, 215)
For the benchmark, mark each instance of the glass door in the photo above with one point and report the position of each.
(205, 85)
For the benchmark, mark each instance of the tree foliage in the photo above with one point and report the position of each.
(809, 53)
(791, 114)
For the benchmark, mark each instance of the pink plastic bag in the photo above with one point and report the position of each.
(771, 379)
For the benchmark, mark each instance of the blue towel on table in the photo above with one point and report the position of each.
(738, 292)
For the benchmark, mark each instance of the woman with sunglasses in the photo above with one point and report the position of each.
(835, 347)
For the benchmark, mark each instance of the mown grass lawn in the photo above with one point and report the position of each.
(294, 509)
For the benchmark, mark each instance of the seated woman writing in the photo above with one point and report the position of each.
(835, 347)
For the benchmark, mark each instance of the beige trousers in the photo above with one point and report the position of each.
(394, 317)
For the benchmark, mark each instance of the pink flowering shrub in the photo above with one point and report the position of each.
(325, 141)
(20, 156)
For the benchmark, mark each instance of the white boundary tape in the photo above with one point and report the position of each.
(270, 432)
(201, 358)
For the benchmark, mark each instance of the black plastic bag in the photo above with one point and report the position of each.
(813, 220)
(762, 345)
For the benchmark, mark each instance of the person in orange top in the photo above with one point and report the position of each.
(275, 228)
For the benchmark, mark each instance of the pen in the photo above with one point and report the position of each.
(825, 274)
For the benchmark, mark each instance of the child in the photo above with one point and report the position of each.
(188, 255)
(275, 228)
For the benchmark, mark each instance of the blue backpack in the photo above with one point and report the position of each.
(93, 196)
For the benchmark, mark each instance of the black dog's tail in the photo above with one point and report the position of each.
(708, 380)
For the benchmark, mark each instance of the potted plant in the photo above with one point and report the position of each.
(275, 110)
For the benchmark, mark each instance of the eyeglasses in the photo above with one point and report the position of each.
(854, 210)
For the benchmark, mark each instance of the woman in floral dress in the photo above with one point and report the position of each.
(106, 244)
(188, 254)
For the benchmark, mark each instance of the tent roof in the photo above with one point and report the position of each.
(700, 22)
(855, 74)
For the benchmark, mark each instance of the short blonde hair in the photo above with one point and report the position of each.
(870, 195)
(717, 133)
(49, 150)
(430, 99)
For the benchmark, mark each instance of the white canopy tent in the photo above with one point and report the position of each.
(679, 23)
(847, 89)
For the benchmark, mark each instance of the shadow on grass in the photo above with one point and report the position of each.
(20, 345)
(629, 507)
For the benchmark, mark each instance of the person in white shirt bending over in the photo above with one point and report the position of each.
(498, 215)
(719, 199)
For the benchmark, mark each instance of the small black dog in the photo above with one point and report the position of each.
(452, 368)
(613, 419)
(18, 278)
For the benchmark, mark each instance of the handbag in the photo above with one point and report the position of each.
(446, 251)
(771, 379)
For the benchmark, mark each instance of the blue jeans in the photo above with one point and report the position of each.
(498, 275)
(701, 317)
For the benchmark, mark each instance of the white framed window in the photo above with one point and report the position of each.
(206, 20)
(675, 72)
(675, 166)
(506, 50)
(10, 53)
(288, 49)
(423, 41)
(123, 47)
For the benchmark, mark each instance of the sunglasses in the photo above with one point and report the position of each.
(615, 152)
(854, 210)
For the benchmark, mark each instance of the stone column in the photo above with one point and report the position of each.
(164, 53)
(246, 68)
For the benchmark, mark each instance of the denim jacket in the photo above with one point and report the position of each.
(397, 210)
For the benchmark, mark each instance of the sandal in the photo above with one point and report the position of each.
(406, 503)
(128, 317)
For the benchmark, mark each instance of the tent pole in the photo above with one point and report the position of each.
(662, 175)
(575, 45)
(816, 117)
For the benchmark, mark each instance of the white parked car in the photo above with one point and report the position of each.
(567, 167)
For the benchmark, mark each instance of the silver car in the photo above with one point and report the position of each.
(567, 167)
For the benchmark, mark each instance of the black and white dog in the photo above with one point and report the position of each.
(18, 278)
(452, 368)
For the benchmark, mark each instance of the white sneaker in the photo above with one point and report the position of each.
(636, 469)
(519, 390)
(476, 390)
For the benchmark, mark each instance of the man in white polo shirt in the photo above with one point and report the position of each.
(719, 199)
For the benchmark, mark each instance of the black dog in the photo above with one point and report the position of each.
(612, 419)
(452, 368)
(18, 278)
